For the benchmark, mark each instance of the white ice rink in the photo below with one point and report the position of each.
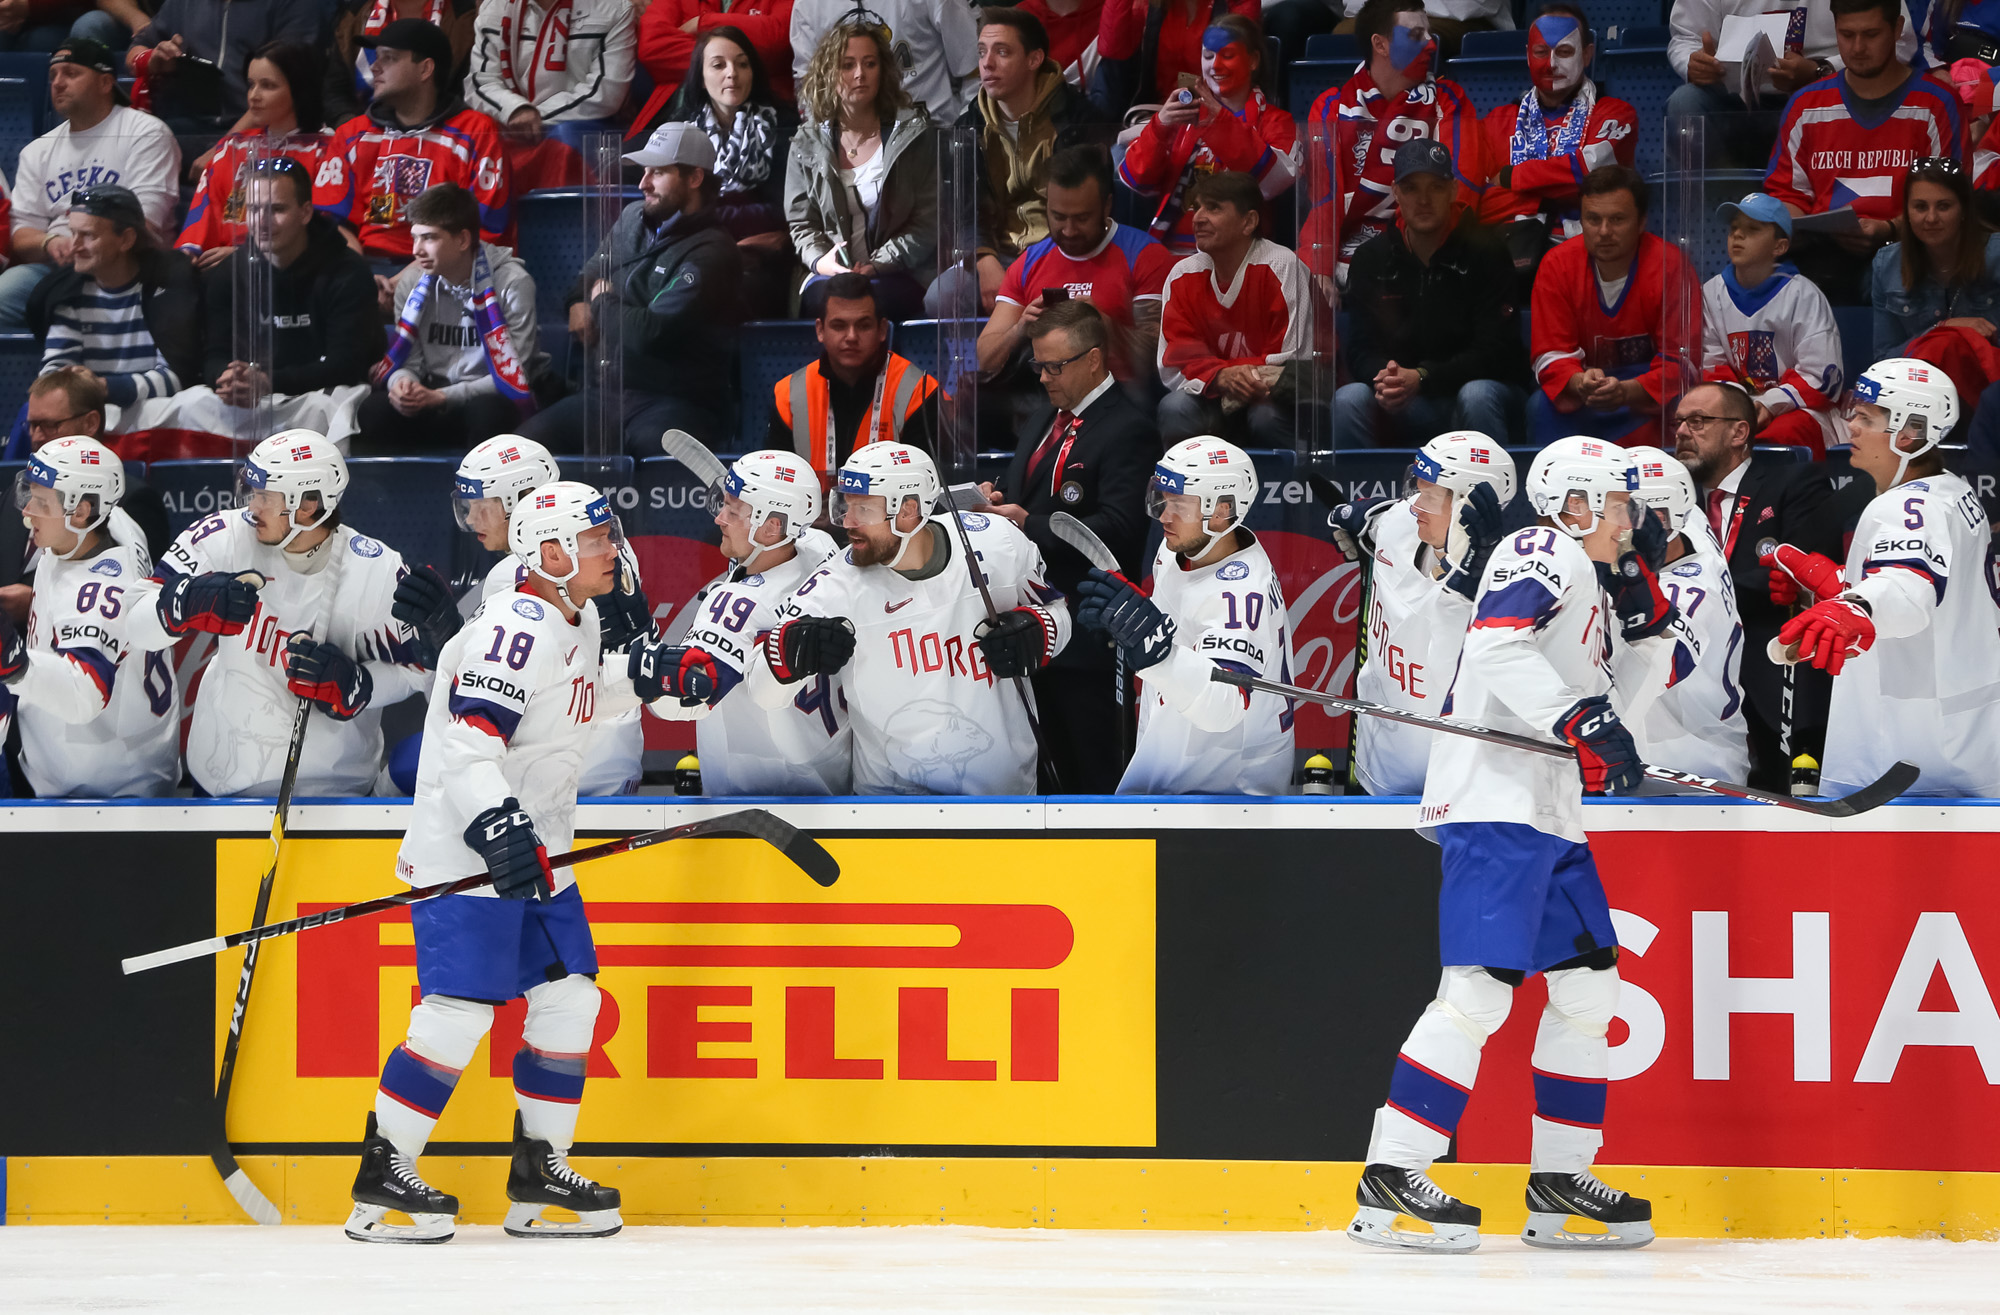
(278, 1271)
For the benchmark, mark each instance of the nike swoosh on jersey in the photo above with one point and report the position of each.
(894, 607)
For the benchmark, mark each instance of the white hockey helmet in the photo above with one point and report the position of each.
(1665, 483)
(894, 472)
(1464, 459)
(1210, 470)
(1589, 467)
(1915, 394)
(503, 468)
(65, 471)
(770, 483)
(289, 465)
(563, 511)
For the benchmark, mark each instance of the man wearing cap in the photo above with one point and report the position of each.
(100, 140)
(195, 57)
(664, 280)
(417, 133)
(1434, 342)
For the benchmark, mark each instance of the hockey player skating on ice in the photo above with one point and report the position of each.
(1521, 893)
(510, 721)
(1216, 603)
(100, 715)
(1429, 551)
(899, 617)
(491, 481)
(765, 508)
(1909, 630)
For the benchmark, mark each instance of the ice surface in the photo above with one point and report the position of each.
(277, 1271)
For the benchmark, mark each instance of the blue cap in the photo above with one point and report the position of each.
(1422, 155)
(1761, 207)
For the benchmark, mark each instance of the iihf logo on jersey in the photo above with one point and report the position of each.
(1232, 571)
(529, 608)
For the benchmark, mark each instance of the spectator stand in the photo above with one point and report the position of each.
(20, 362)
(1331, 59)
(954, 362)
(31, 68)
(1632, 65)
(770, 350)
(20, 117)
(1492, 67)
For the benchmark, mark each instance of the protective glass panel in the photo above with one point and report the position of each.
(596, 354)
(953, 349)
(264, 221)
(1318, 247)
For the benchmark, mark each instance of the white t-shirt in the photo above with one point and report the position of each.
(1415, 627)
(129, 147)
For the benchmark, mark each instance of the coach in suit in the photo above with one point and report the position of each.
(1750, 497)
(1092, 460)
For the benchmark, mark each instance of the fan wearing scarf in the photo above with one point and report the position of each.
(1222, 125)
(463, 348)
(1558, 131)
(539, 62)
(1353, 132)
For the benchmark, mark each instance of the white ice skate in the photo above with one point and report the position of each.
(1388, 1195)
(1554, 1197)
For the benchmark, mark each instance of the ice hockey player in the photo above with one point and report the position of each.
(319, 627)
(1690, 715)
(504, 742)
(1909, 631)
(765, 507)
(100, 716)
(1215, 603)
(1521, 893)
(1428, 551)
(929, 678)
(491, 481)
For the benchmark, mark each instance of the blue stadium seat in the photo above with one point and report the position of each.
(1490, 82)
(406, 503)
(1334, 46)
(1645, 79)
(1857, 338)
(20, 362)
(554, 239)
(1782, 452)
(1311, 78)
(1633, 38)
(32, 68)
(771, 349)
(20, 112)
(917, 342)
(1495, 45)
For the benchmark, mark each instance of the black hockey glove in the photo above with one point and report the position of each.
(1479, 516)
(809, 646)
(13, 651)
(1650, 538)
(1135, 624)
(624, 615)
(1018, 643)
(1605, 753)
(424, 603)
(505, 839)
(321, 672)
(217, 603)
(1353, 526)
(1643, 608)
(686, 674)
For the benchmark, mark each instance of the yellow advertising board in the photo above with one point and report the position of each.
(945, 992)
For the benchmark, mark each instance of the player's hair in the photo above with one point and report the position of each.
(1026, 26)
(1968, 260)
(84, 389)
(447, 206)
(848, 287)
(1377, 17)
(1570, 10)
(301, 66)
(1079, 319)
(1231, 188)
(1073, 166)
(819, 90)
(1609, 178)
(1737, 404)
(1891, 10)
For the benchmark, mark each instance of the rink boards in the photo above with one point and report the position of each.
(1061, 1012)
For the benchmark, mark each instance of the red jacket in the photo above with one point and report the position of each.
(1163, 160)
(1549, 185)
(664, 50)
(1634, 339)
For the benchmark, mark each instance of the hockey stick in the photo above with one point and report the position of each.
(1080, 537)
(1892, 782)
(967, 497)
(691, 452)
(802, 850)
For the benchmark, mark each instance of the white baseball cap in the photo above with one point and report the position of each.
(675, 143)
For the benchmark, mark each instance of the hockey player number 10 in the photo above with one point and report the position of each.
(1252, 612)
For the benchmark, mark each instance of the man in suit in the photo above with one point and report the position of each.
(1750, 498)
(1092, 460)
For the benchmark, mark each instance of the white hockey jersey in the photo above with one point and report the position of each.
(1415, 627)
(100, 716)
(1929, 689)
(929, 717)
(1779, 341)
(512, 714)
(243, 711)
(1693, 719)
(804, 747)
(1198, 737)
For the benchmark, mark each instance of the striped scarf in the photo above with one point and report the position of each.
(508, 374)
(1531, 130)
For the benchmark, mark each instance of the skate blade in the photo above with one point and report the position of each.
(524, 1219)
(1377, 1227)
(1552, 1232)
(370, 1223)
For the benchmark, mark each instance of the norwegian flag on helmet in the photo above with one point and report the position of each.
(1218, 457)
(508, 454)
(543, 501)
(785, 473)
(88, 457)
(1919, 376)
(1479, 456)
(1592, 449)
(1652, 470)
(899, 458)
(303, 452)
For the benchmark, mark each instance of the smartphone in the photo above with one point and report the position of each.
(1189, 80)
(1050, 296)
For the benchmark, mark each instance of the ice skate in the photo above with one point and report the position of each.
(1387, 1195)
(541, 1177)
(1554, 1197)
(388, 1181)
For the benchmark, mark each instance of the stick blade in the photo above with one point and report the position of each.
(1898, 779)
(804, 852)
(694, 454)
(1078, 536)
(140, 963)
(254, 1203)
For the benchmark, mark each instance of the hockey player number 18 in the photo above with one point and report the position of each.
(517, 652)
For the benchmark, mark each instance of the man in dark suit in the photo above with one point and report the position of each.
(1750, 498)
(1092, 460)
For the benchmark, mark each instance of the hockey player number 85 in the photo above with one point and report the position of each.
(517, 652)
(113, 599)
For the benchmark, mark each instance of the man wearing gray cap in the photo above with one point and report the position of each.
(664, 283)
(1434, 338)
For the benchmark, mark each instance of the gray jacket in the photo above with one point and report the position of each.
(449, 355)
(904, 234)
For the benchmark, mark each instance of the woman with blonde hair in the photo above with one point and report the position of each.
(861, 183)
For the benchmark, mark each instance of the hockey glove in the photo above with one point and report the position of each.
(321, 672)
(1479, 524)
(505, 839)
(658, 672)
(1643, 608)
(1605, 753)
(1650, 538)
(13, 651)
(1830, 633)
(624, 615)
(424, 603)
(1017, 643)
(809, 646)
(1797, 574)
(1353, 526)
(218, 603)
(1140, 629)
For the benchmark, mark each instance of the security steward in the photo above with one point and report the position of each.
(858, 391)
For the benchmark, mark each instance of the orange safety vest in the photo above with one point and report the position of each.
(902, 383)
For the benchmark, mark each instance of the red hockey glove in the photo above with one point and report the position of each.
(1794, 567)
(1831, 633)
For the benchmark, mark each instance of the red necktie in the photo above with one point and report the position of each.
(1064, 423)
(1715, 497)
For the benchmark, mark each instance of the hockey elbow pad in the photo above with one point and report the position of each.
(327, 676)
(424, 603)
(1605, 753)
(13, 651)
(1018, 643)
(809, 646)
(504, 837)
(216, 603)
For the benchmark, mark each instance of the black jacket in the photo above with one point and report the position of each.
(326, 329)
(1789, 501)
(170, 300)
(674, 292)
(1103, 484)
(1455, 317)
